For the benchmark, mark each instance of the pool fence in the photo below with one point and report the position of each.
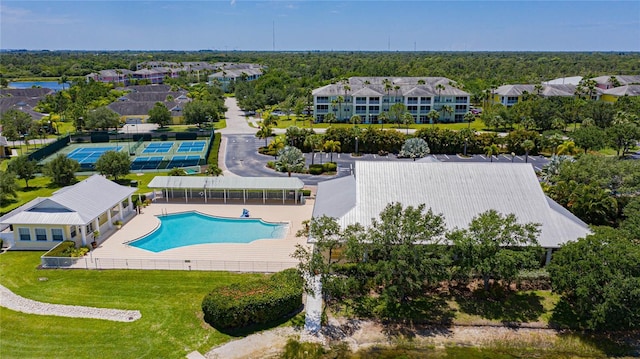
(90, 262)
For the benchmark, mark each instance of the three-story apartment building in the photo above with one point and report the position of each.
(369, 97)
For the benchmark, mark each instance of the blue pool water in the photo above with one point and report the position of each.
(54, 85)
(189, 228)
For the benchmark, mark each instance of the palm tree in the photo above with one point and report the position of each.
(383, 118)
(433, 116)
(339, 100)
(387, 89)
(276, 145)
(408, 120)
(466, 133)
(396, 88)
(446, 110)
(527, 146)
(355, 119)
(492, 150)
(439, 88)
(264, 133)
(538, 88)
(332, 146)
(469, 117)
(314, 142)
(63, 80)
(329, 118)
(567, 148)
(613, 80)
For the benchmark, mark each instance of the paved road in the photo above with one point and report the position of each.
(240, 155)
(242, 159)
(236, 121)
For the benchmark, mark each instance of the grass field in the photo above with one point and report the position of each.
(171, 324)
(284, 123)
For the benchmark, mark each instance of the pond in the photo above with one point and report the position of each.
(54, 85)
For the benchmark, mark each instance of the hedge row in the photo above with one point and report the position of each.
(318, 169)
(215, 148)
(255, 302)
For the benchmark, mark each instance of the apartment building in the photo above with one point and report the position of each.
(369, 97)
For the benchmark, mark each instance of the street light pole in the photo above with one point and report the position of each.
(356, 146)
(513, 156)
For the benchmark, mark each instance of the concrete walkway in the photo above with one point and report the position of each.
(12, 301)
(313, 307)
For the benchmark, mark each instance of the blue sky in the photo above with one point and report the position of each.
(321, 25)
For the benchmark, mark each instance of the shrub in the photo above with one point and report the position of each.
(271, 164)
(68, 249)
(254, 302)
(1, 243)
(316, 169)
(306, 192)
(330, 167)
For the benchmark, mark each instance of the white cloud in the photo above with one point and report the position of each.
(14, 15)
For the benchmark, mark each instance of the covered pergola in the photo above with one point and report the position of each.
(227, 188)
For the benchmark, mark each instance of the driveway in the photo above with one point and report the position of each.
(236, 121)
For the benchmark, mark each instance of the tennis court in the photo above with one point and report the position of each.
(183, 161)
(192, 146)
(158, 147)
(146, 163)
(88, 156)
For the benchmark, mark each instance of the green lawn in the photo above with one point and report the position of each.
(38, 187)
(284, 123)
(171, 324)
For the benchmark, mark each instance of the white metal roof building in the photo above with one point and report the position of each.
(86, 206)
(459, 191)
(225, 188)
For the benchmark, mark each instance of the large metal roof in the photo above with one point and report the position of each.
(232, 183)
(459, 191)
(75, 205)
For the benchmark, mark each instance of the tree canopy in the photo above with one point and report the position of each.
(102, 118)
(290, 159)
(496, 246)
(599, 280)
(24, 168)
(114, 164)
(61, 170)
(160, 115)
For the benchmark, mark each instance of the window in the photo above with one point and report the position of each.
(425, 108)
(73, 231)
(361, 100)
(425, 99)
(41, 234)
(459, 118)
(374, 100)
(412, 109)
(424, 119)
(461, 99)
(25, 234)
(412, 100)
(512, 100)
(461, 108)
(323, 108)
(322, 99)
(374, 108)
(361, 110)
(56, 234)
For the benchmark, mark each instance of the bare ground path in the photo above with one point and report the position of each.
(12, 301)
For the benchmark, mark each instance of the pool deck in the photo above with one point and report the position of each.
(268, 255)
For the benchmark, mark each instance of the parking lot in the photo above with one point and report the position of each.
(242, 158)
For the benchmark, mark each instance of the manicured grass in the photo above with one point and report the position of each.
(171, 324)
(284, 123)
(38, 187)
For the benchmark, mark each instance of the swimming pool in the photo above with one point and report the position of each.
(189, 228)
